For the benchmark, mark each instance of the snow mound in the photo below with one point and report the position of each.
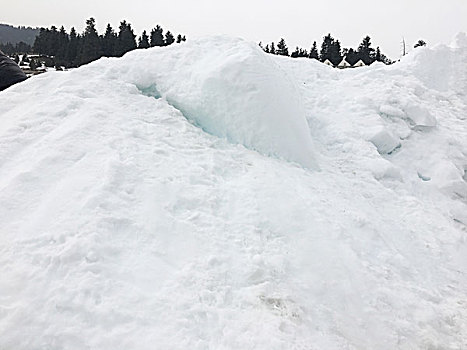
(124, 225)
(231, 89)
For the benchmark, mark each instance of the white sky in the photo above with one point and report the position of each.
(298, 21)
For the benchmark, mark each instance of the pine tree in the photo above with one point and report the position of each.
(330, 50)
(143, 42)
(282, 48)
(73, 49)
(90, 49)
(63, 41)
(314, 51)
(378, 55)
(351, 56)
(179, 38)
(365, 51)
(272, 48)
(109, 41)
(126, 40)
(295, 53)
(39, 42)
(169, 38)
(53, 41)
(303, 53)
(157, 36)
(420, 43)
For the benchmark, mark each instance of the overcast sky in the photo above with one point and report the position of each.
(298, 21)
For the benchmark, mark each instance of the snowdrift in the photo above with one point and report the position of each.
(152, 201)
(230, 89)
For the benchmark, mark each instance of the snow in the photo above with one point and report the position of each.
(137, 213)
(230, 89)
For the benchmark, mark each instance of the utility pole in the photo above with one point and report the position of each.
(404, 52)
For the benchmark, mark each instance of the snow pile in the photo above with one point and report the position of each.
(133, 218)
(230, 89)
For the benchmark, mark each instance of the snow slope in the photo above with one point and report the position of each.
(137, 214)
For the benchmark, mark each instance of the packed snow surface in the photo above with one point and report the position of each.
(210, 196)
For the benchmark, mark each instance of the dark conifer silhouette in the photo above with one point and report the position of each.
(330, 50)
(143, 41)
(314, 51)
(157, 36)
(109, 41)
(73, 49)
(420, 43)
(126, 40)
(90, 48)
(169, 38)
(365, 51)
(282, 48)
(62, 49)
(272, 48)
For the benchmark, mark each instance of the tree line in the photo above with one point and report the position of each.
(73, 49)
(331, 50)
(18, 48)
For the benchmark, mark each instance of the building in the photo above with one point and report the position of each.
(360, 63)
(344, 64)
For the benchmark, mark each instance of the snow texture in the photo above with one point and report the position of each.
(169, 199)
(230, 89)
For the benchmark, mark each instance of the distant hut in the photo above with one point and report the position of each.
(360, 63)
(344, 64)
(329, 63)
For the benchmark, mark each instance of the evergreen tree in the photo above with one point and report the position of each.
(179, 38)
(169, 38)
(365, 51)
(295, 53)
(282, 48)
(16, 59)
(330, 50)
(420, 43)
(73, 49)
(314, 51)
(53, 41)
(272, 48)
(266, 49)
(351, 56)
(126, 40)
(109, 41)
(157, 36)
(63, 42)
(378, 55)
(90, 48)
(299, 52)
(143, 42)
(39, 42)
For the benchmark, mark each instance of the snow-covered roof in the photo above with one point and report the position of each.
(344, 63)
(329, 63)
(360, 63)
